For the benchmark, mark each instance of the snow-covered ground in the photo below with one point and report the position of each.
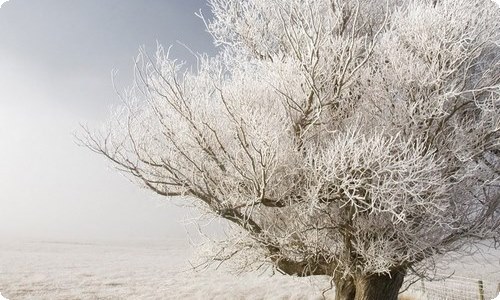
(155, 270)
(147, 270)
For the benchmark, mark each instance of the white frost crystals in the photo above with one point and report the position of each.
(2, 297)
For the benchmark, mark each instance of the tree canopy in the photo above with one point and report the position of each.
(354, 139)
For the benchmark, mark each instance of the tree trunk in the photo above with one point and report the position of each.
(372, 287)
(380, 286)
(344, 289)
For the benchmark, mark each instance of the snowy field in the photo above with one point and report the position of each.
(160, 270)
(48, 270)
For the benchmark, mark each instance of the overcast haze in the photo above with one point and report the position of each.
(56, 58)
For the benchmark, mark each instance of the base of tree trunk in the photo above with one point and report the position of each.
(379, 287)
(372, 287)
(344, 289)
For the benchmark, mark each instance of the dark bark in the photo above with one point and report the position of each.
(371, 287)
(297, 268)
(379, 286)
(344, 289)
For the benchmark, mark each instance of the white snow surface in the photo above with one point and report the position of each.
(156, 270)
(49, 270)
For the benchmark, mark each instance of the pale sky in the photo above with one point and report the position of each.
(56, 57)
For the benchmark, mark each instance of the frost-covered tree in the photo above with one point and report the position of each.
(354, 139)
